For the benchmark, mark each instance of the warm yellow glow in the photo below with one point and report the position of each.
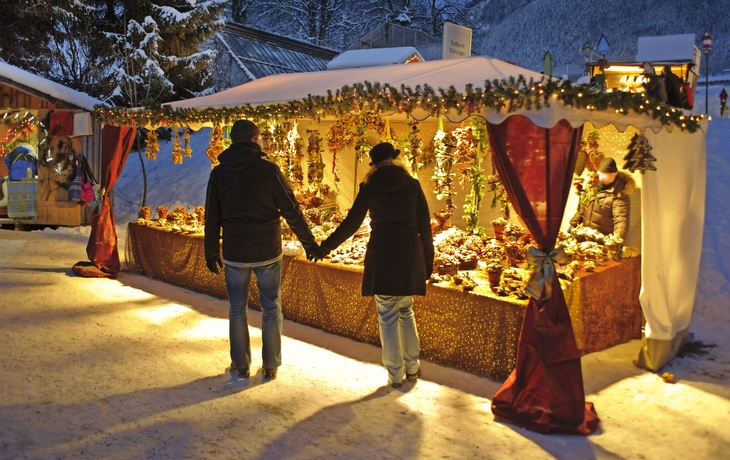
(207, 328)
(160, 315)
(624, 69)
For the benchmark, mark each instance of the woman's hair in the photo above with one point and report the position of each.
(389, 162)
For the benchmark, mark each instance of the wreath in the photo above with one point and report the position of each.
(352, 128)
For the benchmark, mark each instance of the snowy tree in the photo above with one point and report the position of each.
(140, 74)
(24, 34)
(78, 48)
(316, 21)
(241, 9)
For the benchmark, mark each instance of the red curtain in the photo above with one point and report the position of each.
(102, 247)
(544, 393)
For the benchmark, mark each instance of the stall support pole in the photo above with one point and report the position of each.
(707, 81)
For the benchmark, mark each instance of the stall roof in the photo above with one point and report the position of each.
(666, 48)
(277, 89)
(44, 88)
(374, 57)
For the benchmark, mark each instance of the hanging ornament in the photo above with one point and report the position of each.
(279, 148)
(639, 156)
(152, 145)
(294, 147)
(187, 150)
(177, 157)
(217, 145)
(362, 146)
(413, 147)
(443, 176)
(315, 163)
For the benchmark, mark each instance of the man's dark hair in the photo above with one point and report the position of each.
(244, 130)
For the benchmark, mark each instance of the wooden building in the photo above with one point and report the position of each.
(26, 95)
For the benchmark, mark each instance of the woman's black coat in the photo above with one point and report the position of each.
(399, 258)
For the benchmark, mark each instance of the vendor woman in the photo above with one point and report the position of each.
(609, 211)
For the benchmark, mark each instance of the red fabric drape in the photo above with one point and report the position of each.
(102, 247)
(544, 393)
(62, 123)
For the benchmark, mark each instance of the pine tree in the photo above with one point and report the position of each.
(78, 48)
(639, 156)
(24, 34)
(159, 49)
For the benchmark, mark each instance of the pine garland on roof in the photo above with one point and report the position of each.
(504, 96)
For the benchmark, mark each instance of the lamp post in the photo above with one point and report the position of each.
(707, 47)
(587, 48)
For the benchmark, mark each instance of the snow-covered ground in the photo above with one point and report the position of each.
(134, 368)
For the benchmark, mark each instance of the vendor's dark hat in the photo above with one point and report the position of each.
(608, 166)
(244, 130)
(383, 151)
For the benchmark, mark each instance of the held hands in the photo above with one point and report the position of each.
(214, 264)
(315, 253)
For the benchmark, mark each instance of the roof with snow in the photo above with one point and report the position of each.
(44, 88)
(293, 87)
(261, 54)
(666, 48)
(375, 57)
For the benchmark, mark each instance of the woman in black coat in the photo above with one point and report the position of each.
(399, 257)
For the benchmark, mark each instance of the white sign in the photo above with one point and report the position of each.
(457, 41)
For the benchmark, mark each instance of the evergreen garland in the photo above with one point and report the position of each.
(505, 96)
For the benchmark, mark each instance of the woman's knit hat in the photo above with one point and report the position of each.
(383, 151)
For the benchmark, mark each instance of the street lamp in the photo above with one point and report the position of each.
(707, 47)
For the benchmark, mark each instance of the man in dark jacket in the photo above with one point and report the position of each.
(608, 212)
(673, 86)
(654, 85)
(247, 196)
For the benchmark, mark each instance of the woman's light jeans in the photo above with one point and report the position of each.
(398, 335)
(268, 279)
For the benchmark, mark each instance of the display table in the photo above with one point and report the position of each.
(476, 332)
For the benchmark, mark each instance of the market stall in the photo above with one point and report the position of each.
(474, 330)
(52, 125)
(523, 158)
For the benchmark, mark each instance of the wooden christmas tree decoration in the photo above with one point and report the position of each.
(639, 156)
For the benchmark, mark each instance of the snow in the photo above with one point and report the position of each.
(373, 57)
(134, 368)
(711, 316)
(284, 88)
(48, 87)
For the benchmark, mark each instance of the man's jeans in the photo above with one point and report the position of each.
(398, 335)
(268, 279)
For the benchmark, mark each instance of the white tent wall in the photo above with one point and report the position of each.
(673, 214)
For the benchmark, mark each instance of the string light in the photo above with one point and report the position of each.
(515, 93)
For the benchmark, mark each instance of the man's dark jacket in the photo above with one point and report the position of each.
(674, 90)
(247, 195)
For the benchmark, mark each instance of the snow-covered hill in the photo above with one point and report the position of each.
(521, 31)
